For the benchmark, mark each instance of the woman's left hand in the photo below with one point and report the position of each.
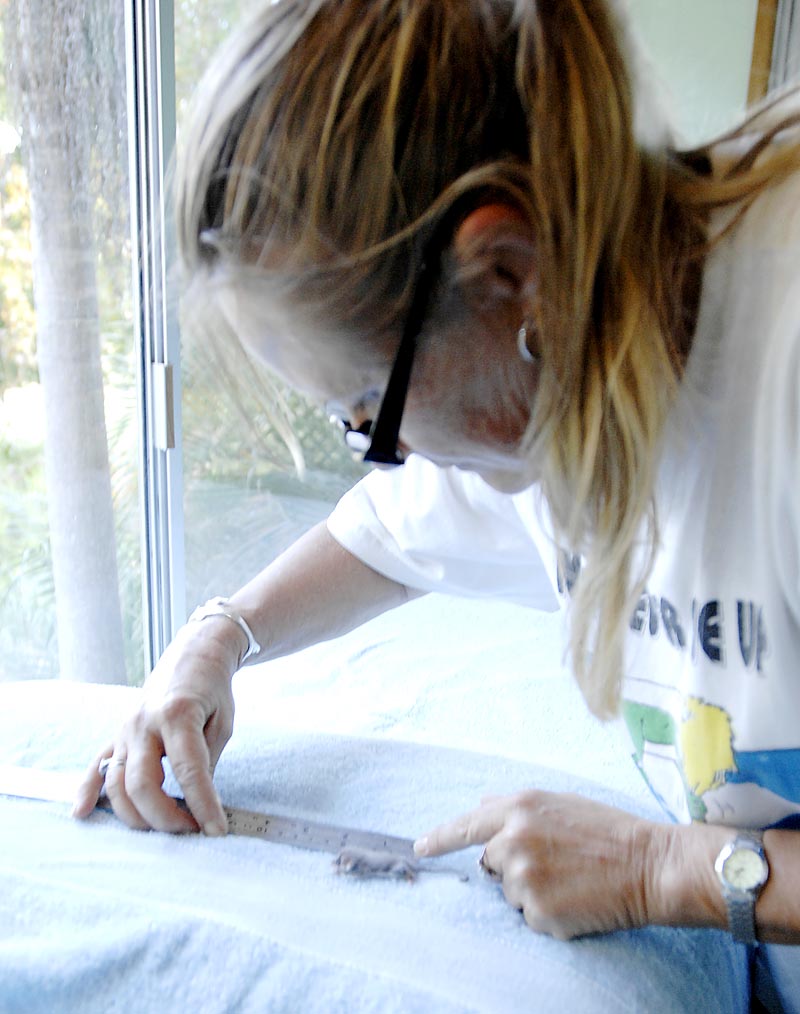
(571, 865)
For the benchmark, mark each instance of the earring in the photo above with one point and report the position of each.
(522, 345)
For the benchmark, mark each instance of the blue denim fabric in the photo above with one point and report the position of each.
(776, 975)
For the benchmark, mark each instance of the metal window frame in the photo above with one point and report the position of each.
(786, 44)
(150, 35)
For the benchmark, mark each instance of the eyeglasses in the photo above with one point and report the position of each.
(376, 442)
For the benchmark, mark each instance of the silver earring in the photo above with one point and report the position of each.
(522, 345)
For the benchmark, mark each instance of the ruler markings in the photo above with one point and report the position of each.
(60, 787)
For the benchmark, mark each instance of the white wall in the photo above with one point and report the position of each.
(701, 51)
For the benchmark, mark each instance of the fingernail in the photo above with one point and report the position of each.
(215, 828)
(421, 847)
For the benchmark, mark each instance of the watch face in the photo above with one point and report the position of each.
(744, 869)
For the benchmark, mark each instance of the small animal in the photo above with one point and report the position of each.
(368, 863)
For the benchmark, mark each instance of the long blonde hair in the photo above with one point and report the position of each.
(331, 136)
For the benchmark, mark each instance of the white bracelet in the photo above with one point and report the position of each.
(222, 607)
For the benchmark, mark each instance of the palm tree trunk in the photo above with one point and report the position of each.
(57, 155)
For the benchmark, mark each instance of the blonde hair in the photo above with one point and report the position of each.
(332, 136)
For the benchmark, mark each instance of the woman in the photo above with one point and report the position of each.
(437, 215)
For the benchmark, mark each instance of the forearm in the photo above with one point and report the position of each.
(684, 888)
(314, 591)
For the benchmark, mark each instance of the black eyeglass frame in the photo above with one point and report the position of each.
(384, 433)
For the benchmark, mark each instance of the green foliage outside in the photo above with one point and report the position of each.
(25, 576)
(244, 498)
(28, 636)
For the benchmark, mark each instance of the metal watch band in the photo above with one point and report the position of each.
(741, 904)
(221, 607)
(742, 917)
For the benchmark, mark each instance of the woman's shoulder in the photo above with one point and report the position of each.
(772, 221)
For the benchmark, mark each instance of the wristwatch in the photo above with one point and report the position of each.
(742, 869)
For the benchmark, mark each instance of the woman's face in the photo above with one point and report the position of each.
(468, 400)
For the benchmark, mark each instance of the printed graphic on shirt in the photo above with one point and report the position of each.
(712, 629)
(693, 767)
(706, 630)
(683, 744)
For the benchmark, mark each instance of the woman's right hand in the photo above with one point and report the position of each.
(312, 592)
(186, 715)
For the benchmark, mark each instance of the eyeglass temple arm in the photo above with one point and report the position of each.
(386, 432)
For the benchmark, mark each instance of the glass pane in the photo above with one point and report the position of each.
(244, 499)
(700, 55)
(70, 574)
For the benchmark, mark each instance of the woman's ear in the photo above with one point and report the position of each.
(494, 248)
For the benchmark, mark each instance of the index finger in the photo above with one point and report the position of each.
(190, 760)
(473, 828)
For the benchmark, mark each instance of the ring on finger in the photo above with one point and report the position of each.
(486, 869)
(110, 762)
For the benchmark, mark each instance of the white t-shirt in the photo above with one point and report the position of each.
(712, 689)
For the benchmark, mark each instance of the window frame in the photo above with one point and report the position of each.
(150, 42)
(786, 44)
